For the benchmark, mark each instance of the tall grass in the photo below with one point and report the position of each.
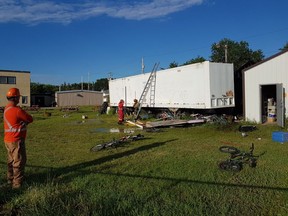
(171, 172)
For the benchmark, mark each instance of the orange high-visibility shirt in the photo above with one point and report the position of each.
(15, 123)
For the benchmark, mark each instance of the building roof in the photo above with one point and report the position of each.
(15, 71)
(76, 91)
(267, 59)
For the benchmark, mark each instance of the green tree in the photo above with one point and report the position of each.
(195, 60)
(237, 53)
(242, 57)
(37, 88)
(101, 84)
(173, 65)
(285, 47)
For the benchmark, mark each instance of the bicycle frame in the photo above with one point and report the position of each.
(116, 143)
(237, 158)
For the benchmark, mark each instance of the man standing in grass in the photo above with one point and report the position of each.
(15, 129)
(135, 107)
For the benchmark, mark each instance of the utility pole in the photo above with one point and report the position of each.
(226, 53)
(142, 66)
(88, 81)
(109, 76)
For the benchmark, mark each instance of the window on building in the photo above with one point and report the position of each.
(24, 99)
(3, 80)
(11, 80)
(7, 80)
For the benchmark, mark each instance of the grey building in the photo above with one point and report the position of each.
(79, 98)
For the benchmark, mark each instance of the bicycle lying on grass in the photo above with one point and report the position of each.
(116, 143)
(237, 158)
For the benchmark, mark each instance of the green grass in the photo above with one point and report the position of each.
(172, 172)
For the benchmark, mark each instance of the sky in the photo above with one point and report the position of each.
(69, 41)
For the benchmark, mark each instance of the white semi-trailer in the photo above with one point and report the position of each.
(205, 85)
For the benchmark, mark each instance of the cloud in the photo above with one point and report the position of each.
(153, 9)
(39, 11)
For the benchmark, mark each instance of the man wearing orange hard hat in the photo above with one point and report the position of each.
(15, 129)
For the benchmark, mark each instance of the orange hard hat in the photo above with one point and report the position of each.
(13, 92)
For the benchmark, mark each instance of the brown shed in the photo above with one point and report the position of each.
(79, 98)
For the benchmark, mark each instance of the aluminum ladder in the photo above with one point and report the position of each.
(151, 82)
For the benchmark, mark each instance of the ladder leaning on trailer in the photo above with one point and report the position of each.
(150, 83)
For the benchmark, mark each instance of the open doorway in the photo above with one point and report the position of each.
(272, 104)
(268, 103)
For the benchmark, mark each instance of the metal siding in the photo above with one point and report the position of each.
(252, 97)
(181, 87)
(221, 80)
(273, 72)
(280, 105)
(134, 86)
(79, 98)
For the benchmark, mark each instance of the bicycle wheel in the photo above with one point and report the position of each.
(229, 149)
(113, 144)
(224, 165)
(97, 147)
(229, 165)
(137, 137)
(236, 166)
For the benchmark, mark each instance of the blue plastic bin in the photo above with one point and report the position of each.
(279, 136)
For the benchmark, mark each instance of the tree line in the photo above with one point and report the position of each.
(99, 85)
(237, 53)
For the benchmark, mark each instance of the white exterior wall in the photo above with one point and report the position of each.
(175, 86)
(273, 71)
(190, 86)
(221, 81)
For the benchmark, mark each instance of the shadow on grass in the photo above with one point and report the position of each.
(68, 173)
(188, 181)
(73, 171)
(68, 169)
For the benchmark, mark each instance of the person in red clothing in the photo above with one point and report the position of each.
(121, 112)
(15, 129)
